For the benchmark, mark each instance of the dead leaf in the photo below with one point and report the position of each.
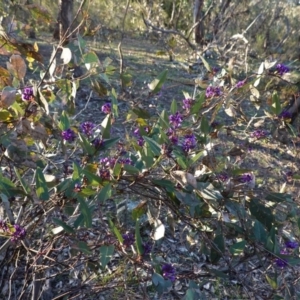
(8, 97)
(19, 66)
(184, 178)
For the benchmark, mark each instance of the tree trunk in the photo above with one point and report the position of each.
(64, 19)
(199, 30)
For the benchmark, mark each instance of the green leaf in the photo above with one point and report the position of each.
(173, 107)
(131, 169)
(41, 185)
(237, 172)
(154, 146)
(79, 221)
(198, 104)
(86, 212)
(90, 58)
(205, 128)
(206, 64)
(276, 105)
(4, 114)
(85, 144)
(279, 197)
(114, 102)
(83, 247)
(106, 127)
(109, 143)
(106, 253)
(66, 227)
(93, 179)
(141, 113)
(105, 193)
(220, 244)
(115, 230)
(157, 83)
(164, 120)
(272, 282)
(196, 157)
(117, 170)
(238, 248)
(139, 210)
(76, 172)
(138, 239)
(261, 213)
(259, 232)
(64, 123)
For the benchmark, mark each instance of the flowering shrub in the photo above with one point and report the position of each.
(74, 173)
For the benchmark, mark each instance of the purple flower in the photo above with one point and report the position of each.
(128, 239)
(189, 142)
(212, 91)
(259, 134)
(27, 94)
(240, 84)
(285, 115)
(108, 162)
(77, 188)
(140, 141)
(291, 244)
(106, 108)
(125, 161)
(168, 272)
(172, 136)
(282, 69)
(97, 142)
(104, 173)
(281, 263)
(87, 127)
(175, 120)
(246, 177)
(222, 177)
(19, 233)
(68, 135)
(187, 103)
(147, 248)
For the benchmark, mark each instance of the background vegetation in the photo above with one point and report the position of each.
(138, 163)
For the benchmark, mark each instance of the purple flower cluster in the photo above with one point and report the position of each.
(125, 161)
(259, 134)
(289, 247)
(68, 135)
(16, 232)
(97, 142)
(189, 142)
(128, 239)
(187, 103)
(137, 133)
(147, 248)
(282, 69)
(108, 162)
(168, 272)
(245, 178)
(176, 120)
(212, 91)
(291, 244)
(222, 177)
(240, 84)
(172, 136)
(27, 94)
(77, 188)
(285, 115)
(87, 128)
(106, 108)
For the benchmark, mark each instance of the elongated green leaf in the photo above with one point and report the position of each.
(157, 83)
(106, 127)
(66, 227)
(261, 213)
(205, 128)
(64, 123)
(216, 252)
(76, 171)
(174, 106)
(105, 193)
(154, 146)
(259, 232)
(238, 248)
(198, 104)
(141, 113)
(131, 169)
(106, 253)
(41, 185)
(138, 239)
(206, 64)
(279, 197)
(276, 105)
(85, 144)
(83, 247)
(115, 230)
(109, 143)
(114, 102)
(272, 282)
(86, 212)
